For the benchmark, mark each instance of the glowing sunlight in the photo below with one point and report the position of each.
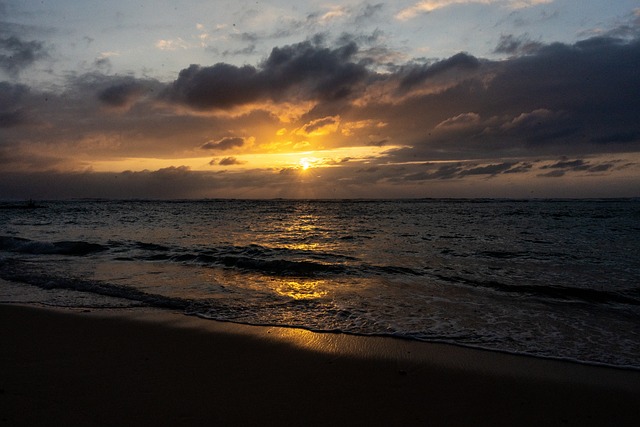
(301, 289)
(306, 162)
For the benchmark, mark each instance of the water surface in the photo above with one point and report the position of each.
(549, 278)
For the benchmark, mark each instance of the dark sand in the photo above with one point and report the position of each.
(141, 367)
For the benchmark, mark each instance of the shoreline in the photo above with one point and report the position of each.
(148, 367)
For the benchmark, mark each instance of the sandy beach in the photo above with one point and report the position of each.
(143, 367)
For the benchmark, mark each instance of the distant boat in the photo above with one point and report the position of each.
(28, 205)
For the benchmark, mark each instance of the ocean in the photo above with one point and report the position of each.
(547, 278)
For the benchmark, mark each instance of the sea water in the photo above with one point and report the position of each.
(547, 278)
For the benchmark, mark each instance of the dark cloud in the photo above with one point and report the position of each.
(122, 94)
(520, 168)
(12, 118)
(225, 143)
(247, 50)
(368, 12)
(486, 119)
(11, 112)
(16, 160)
(174, 182)
(306, 70)
(219, 86)
(75, 122)
(372, 50)
(414, 75)
(558, 99)
(17, 54)
(627, 28)
(561, 100)
(621, 136)
(553, 174)
(245, 37)
(378, 143)
(601, 167)
(447, 171)
(333, 162)
(102, 64)
(512, 45)
(171, 172)
(459, 170)
(568, 164)
(488, 169)
(227, 161)
(351, 180)
(319, 124)
(561, 167)
(111, 90)
(464, 119)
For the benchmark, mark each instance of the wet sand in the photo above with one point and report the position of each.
(144, 367)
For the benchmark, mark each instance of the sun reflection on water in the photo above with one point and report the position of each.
(301, 289)
(305, 231)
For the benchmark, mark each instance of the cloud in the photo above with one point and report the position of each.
(563, 166)
(17, 161)
(333, 13)
(557, 99)
(225, 143)
(492, 169)
(516, 46)
(11, 114)
(305, 70)
(522, 167)
(560, 100)
(456, 179)
(427, 6)
(247, 50)
(447, 171)
(171, 172)
(320, 126)
(220, 86)
(459, 170)
(568, 164)
(628, 27)
(553, 174)
(171, 44)
(16, 54)
(226, 161)
(414, 75)
(10, 119)
(459, 119)
(464, 119)
(173, 182)
(368, 12)
(122, 95)
(455, 171)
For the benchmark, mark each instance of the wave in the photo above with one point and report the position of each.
(555, 292)
(64, 247)
(275, 261)
(17, 271)
(286, 262)
(313, 315)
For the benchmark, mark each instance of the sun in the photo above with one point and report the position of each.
(305, 163)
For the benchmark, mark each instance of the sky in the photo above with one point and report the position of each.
(319, 99)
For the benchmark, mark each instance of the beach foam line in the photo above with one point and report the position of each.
(152, 367)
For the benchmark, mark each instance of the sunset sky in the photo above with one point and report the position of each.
(319, 99)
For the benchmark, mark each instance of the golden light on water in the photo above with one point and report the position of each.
(301, 289)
